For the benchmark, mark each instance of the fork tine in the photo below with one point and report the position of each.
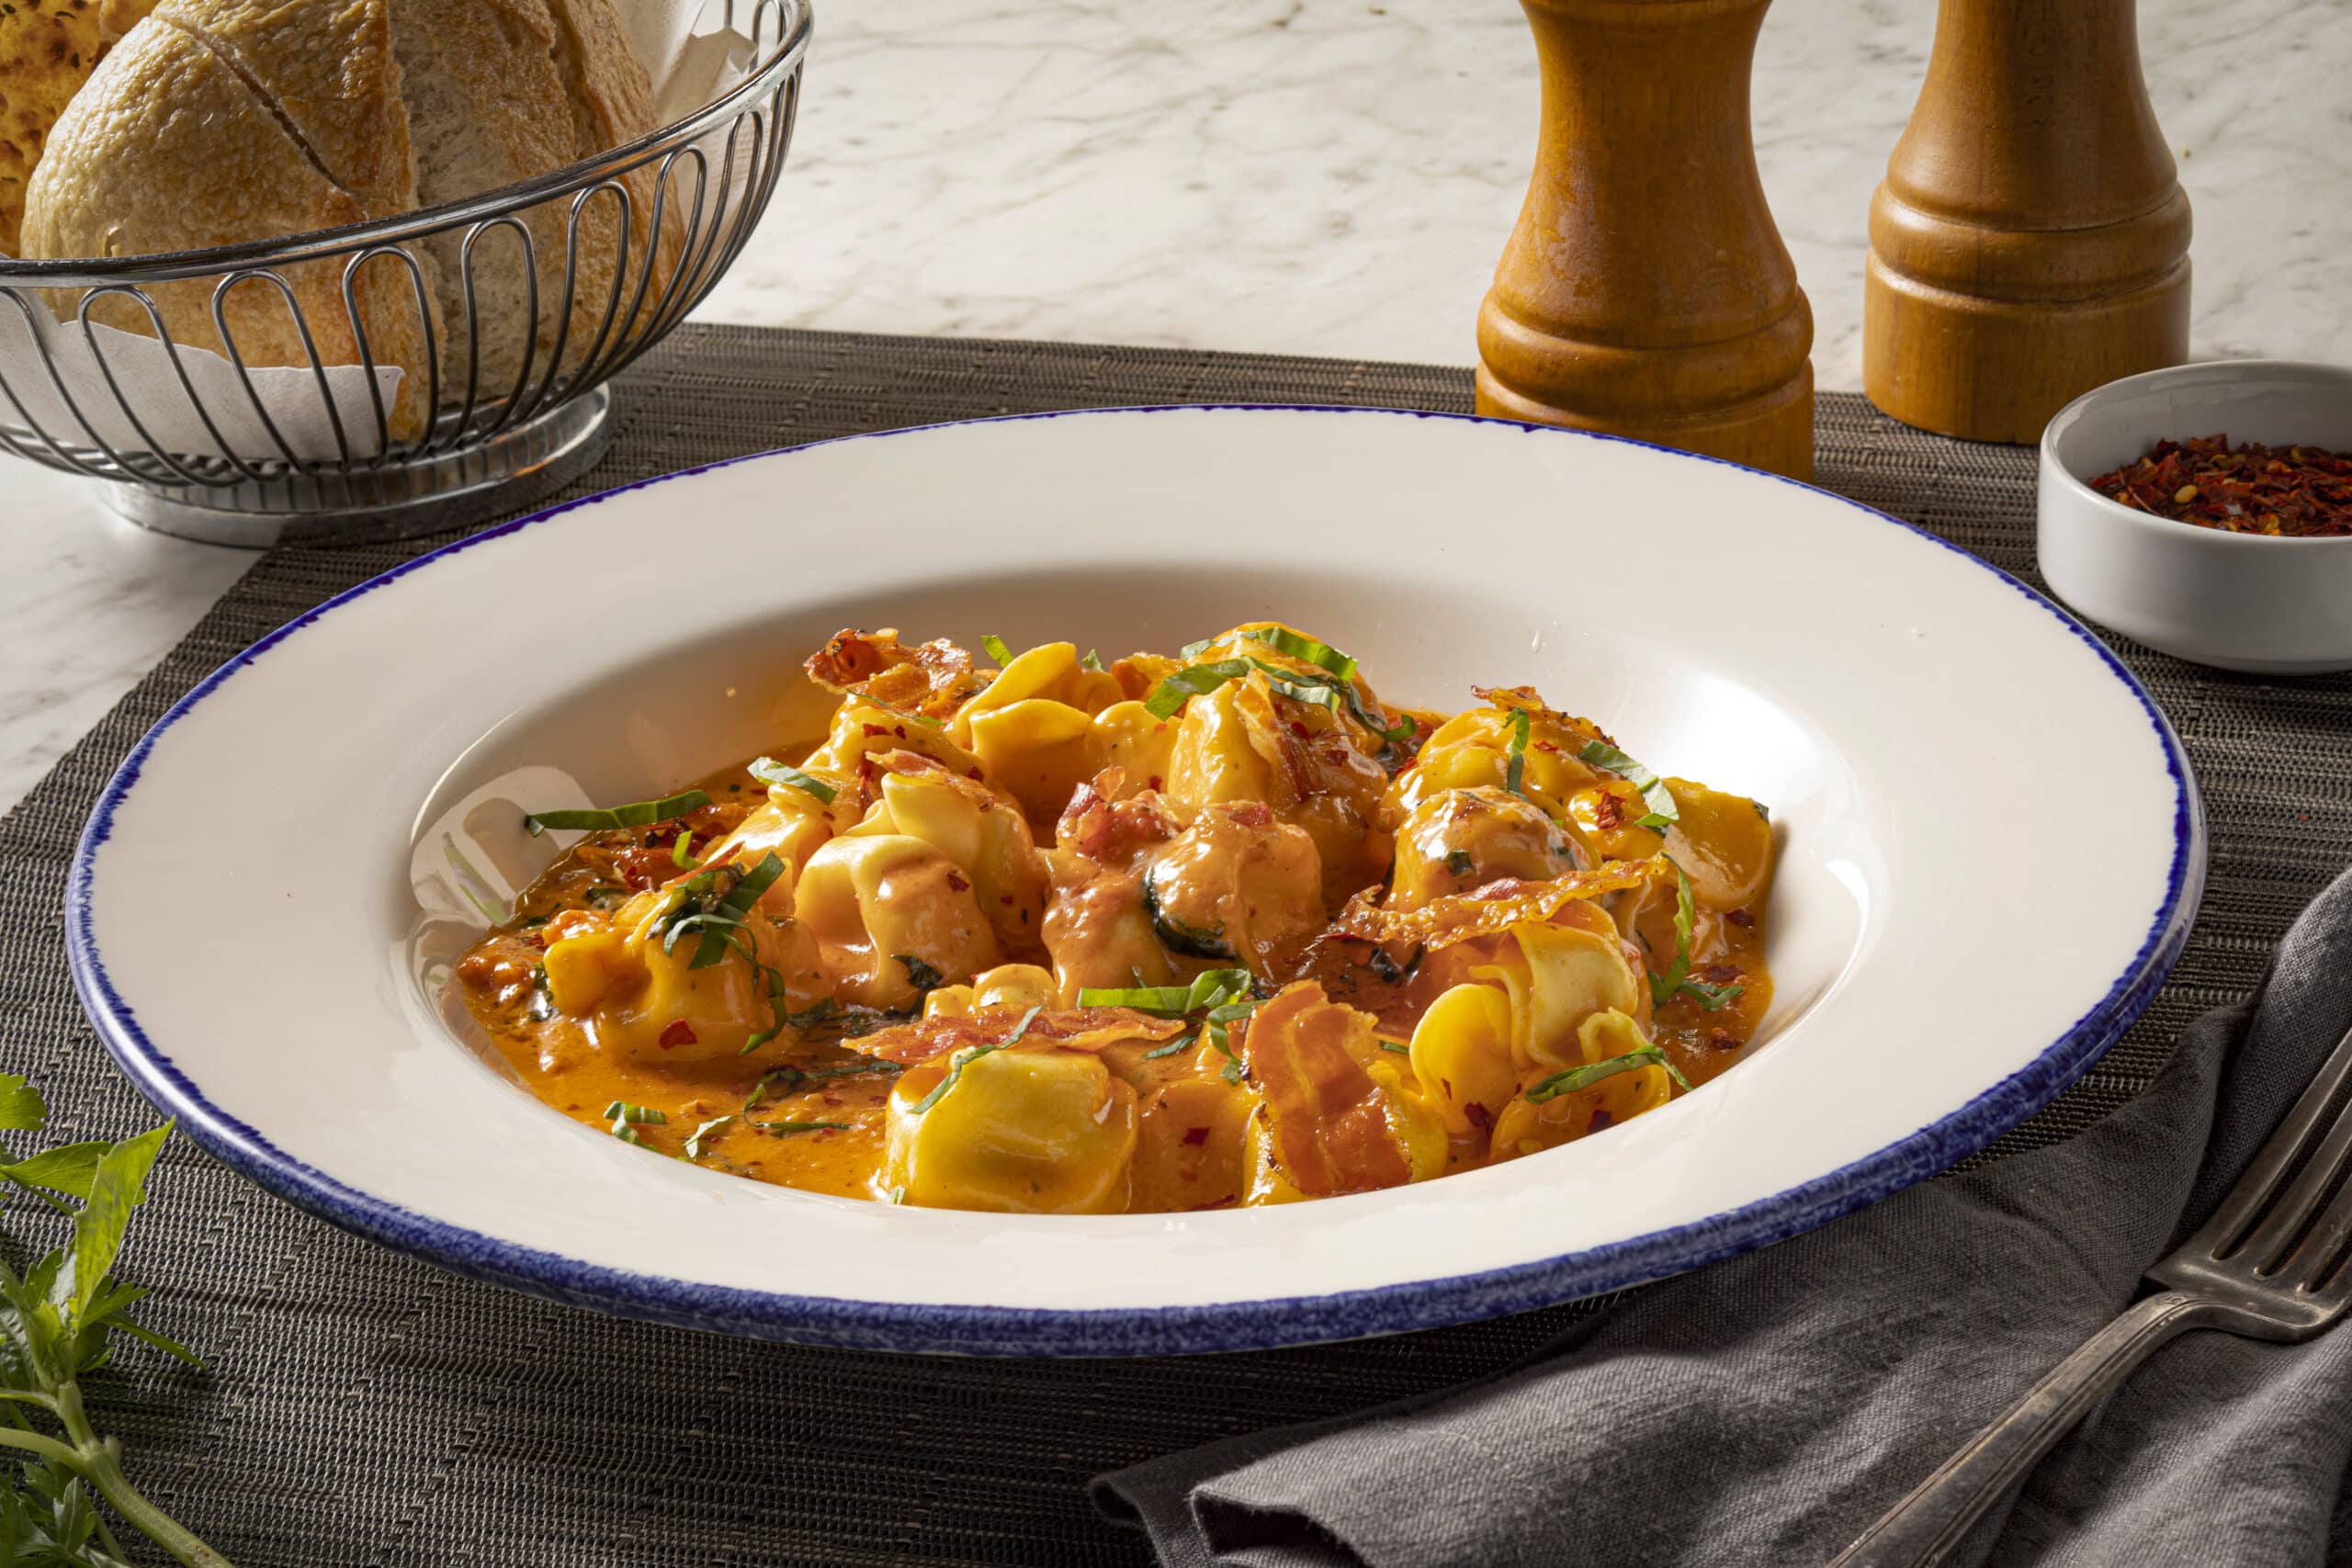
(2250, 1197)
(2321, 1252)
(2288, 1216)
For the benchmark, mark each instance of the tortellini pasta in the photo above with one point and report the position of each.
(1037, 934)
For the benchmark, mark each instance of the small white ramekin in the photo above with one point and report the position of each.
(2234, 601)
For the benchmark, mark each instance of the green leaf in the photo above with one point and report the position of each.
(1178, 936)
(997, 650)
(1592, 1073)
(21, 1110)
(1677, 979)
(722, 923)
(1093, 660)
(1284, 640)
(1193, 680)
(1181, 1042)
(1336, 692)
(694, 1138)
(1460, 863)
(1392, 1045)
(117, 1185)
(767, 770)
(1515, 770)
(682, 850)
(970, 1053)
(1663, 812)
(637, 814)
(922, 975)
(67, 1168)
(792, 1077)
(1209, 988)
(637, 1115)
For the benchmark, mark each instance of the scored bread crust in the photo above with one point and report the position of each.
(250, 120)
(327, 74)
(166, 150)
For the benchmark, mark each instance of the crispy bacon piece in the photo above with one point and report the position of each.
(1073, 1029)
(1330, 1120)
(1107, 832)
(932, 678)
(1494, 909)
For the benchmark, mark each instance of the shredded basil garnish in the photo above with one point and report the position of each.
(720, 922)
(1211, 988)
(694, 1138)
(1592, 1073)
(997, 650)
(970, 1053)
(682, 850)
(1093, 660)
(1282, 640)
(767, 770)
(1515, 771)
(1177, 936)
(1179, 1044)
(627, 1119)
(1400, 1050)
(1460, 863)
(1193, 680)
(1677, 979)
(1663, 812)
(922, 976)
(637, 814)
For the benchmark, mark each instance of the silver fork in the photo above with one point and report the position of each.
(2261, 1266)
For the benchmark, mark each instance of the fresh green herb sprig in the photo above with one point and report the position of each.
(1663, 813)
(996, 649)
(1591, 1073)
(57, 1323)
(1223, 997)
(637, 814)
(719, 915)
(1282, 639)
(1677, 979)
(1329, 690)
(767, 770)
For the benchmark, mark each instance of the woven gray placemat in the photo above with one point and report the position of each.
(362, 1408)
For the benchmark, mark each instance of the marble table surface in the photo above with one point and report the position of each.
(1311, 176)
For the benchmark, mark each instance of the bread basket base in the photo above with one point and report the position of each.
(395, 499)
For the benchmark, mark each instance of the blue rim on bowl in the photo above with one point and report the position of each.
(978, 1328)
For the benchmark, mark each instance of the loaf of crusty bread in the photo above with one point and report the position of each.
(217, 121)
(48, 49)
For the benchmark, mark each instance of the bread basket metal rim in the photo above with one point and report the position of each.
(165, 266)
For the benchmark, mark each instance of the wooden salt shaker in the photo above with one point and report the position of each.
(1646, 291)
(2030, 241)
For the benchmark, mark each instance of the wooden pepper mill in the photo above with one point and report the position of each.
(1646, 291)
(2030, 241)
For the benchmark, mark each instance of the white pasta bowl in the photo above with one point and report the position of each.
(2234, 601)
(1893, 699)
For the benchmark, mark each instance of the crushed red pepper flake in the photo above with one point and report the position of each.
(2288, 492)
(680, 1033)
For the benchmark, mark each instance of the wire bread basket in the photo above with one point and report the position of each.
(511, 309)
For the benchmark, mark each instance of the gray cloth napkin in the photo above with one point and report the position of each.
(1766, 1410)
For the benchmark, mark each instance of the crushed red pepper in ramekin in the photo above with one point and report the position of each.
(2289, 492)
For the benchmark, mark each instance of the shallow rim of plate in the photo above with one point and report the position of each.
(1261, 1323)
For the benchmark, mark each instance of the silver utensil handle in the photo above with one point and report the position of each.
(1930, 1521)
